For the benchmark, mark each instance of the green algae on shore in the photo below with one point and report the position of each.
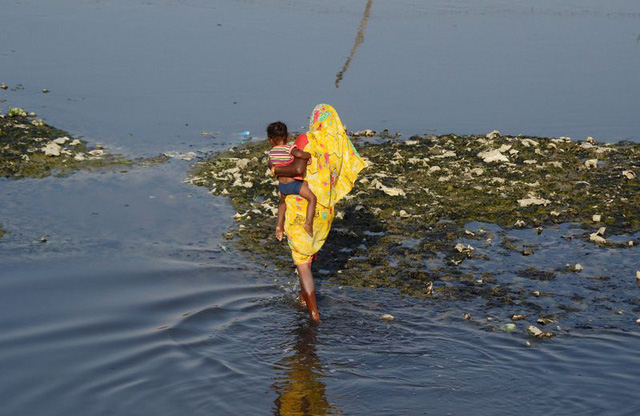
(410, 206)
(31, 148)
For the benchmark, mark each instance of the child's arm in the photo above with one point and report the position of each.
(295, 152)
(297, 168)
(282, 208)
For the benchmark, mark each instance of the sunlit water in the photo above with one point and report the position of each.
(136, 305)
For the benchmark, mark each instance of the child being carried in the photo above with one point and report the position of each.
(283, 154)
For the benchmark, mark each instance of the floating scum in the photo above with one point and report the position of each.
(411, 205)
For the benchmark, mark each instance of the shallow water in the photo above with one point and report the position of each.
(136, 305)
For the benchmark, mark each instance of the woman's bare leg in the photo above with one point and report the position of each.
(308, 290)
(308, 194)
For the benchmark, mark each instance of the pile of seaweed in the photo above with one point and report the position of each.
(412, 203)
(29, 147)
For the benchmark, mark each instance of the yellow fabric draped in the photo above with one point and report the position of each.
(333, 169)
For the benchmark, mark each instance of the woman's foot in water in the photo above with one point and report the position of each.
(312, 306)
(308, 227)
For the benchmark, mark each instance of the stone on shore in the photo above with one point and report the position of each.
(591, 163)
(52, 149)
(491, 156)
(525, 202)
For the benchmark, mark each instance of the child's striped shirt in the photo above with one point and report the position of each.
(280, 155)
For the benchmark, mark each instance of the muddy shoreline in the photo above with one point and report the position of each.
(32, 148)
(411, 206)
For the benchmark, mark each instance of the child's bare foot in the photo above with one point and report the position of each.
(279, 233)
(308, 228)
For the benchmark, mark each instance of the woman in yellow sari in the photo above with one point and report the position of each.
(331, 173)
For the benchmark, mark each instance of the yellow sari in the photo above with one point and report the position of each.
(333, 169)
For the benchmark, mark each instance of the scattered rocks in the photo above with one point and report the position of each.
(629, 174)
(518, 317)
(31, 148)
(596, 238)
(493, 135)
(386, 189)
(492, 156)
(461, 248)
(401, 217)
(575, 267)
(52, 149)
(545, 321)
(17, 112)
(591, 163)
(532, 200)
(597, 218)
(387, 317)
(534, 330)
(182, 156)
(365, 133)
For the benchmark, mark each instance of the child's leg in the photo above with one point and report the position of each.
(282, 208)
(308, 194)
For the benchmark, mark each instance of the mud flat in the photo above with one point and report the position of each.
(406, 223)
(29, 147)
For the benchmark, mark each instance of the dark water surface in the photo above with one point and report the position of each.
(136, 305)
(133, 306)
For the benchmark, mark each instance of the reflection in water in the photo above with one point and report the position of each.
(301, 390)
(359, 40)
